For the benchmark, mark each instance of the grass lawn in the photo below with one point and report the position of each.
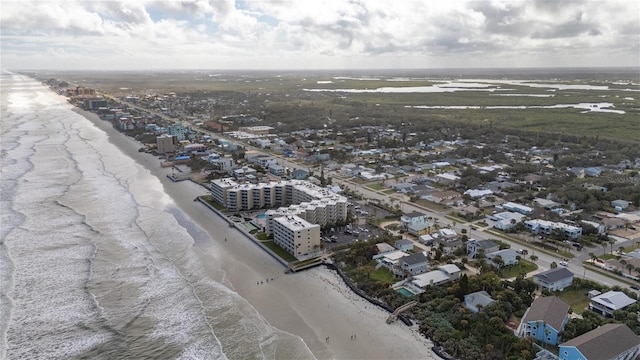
(262, 236)
(375, 186)
(577, 299)
(390, 191)
(383, 275)
(280, 251)
(524, 266)
(430, 205)
(214, 204)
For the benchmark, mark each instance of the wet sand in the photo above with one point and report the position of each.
(314, 304)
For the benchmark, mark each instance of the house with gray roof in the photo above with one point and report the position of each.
(609, 341)
(545, 319)
(609, 302)
(404, 245)
(421, 228)
(414, 264)
(477, 301)
(475, 247)
(554, 279)
(509, 257)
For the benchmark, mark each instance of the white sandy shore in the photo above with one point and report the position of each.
(314, 304)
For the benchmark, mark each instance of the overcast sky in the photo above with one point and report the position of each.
(317, 34)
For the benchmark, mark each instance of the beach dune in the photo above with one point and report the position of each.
(315, 304)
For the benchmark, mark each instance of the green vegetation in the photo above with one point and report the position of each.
(383, 275)
(375, 186)
(279, 251)
(523, 267)
(262, 236)
(576, 298)
(208, 199)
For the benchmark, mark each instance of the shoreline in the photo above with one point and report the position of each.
(315, 304)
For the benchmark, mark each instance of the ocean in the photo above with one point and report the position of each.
(96, 260)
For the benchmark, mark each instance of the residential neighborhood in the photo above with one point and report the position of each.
(506, 225)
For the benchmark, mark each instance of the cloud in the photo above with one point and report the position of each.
(277, 33)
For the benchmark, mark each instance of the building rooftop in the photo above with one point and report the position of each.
(553, 275)
(605, 342)
(550, 309)
(413, 259)
(613, 299)
(294, 223)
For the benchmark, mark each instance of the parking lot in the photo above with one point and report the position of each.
(349, 234)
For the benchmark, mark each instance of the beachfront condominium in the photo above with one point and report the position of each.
(292, 197)
(295, 235)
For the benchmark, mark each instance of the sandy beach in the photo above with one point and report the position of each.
(315, 304)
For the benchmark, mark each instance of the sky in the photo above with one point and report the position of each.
(317, 34)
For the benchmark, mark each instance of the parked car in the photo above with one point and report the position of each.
(564, 263)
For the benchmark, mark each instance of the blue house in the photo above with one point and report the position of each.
(609, 341)
(299, 174)
(545, 319)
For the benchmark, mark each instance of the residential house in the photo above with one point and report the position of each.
(609, 302)
(448, 245)
(477, 301)
(390, 260)
(545, 319)
(426, 239)
(511, 206)
(403, 187)
(442, 275)
(593, 171)
(262, 160)
(446, 178)
(555, 279)
(609, 341)
(299, 174)
(620, 205)
(277, 170)
(476, 247)
(505, 220)
(509, 257)
(421, 229)
(404, 245)
(441, 196)
(414, 264)
(412, 218)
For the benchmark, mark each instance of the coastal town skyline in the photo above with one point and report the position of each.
(297, 35)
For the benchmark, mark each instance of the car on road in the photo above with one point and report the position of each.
(564, 263)
(635, 287)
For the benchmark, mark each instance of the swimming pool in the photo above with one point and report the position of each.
(261, 216)
(404, 291)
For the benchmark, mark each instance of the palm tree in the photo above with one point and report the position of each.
(593, 256)
(630, 267)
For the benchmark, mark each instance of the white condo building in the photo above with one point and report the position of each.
(299, 199)
(297, 236)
